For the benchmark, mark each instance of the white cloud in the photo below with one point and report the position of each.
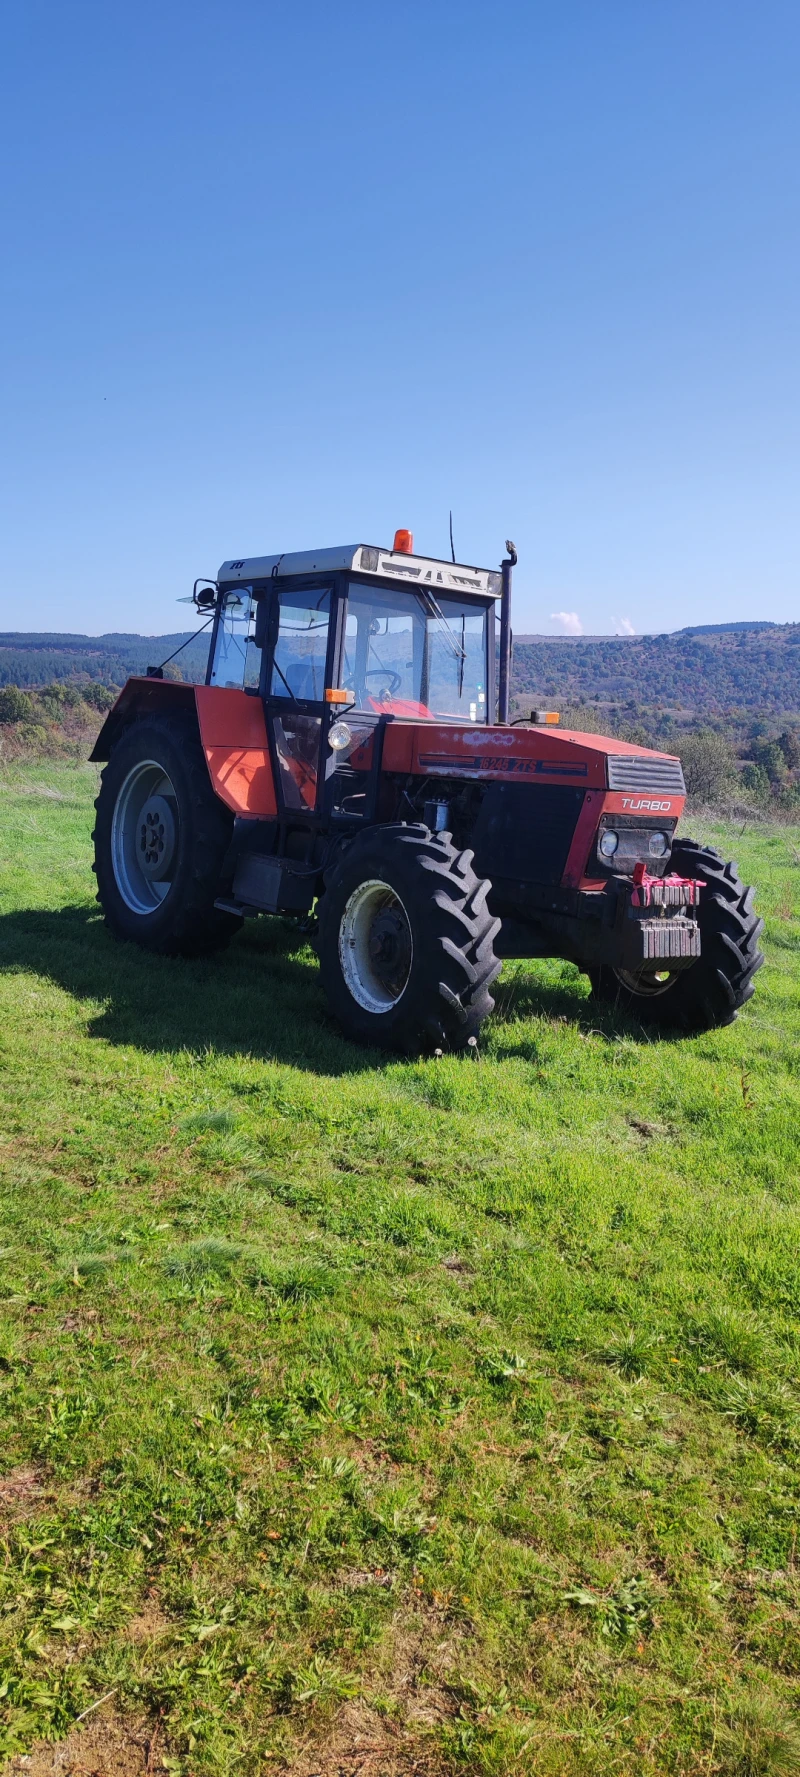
(568, 621)
(623, 627)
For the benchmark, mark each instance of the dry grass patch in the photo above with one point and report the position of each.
(107, 1746)
(363, 1743)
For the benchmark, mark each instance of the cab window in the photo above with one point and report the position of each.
(236, 659)
(301, 649)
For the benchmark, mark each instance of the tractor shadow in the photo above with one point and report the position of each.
(529, 994)
(261, 997)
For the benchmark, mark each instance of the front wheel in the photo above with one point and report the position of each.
(160, 838)
(406, 941)
(710, 993)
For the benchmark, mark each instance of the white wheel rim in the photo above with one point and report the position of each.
(375, 946)
(144, 837)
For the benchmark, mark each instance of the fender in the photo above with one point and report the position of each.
(232, 733)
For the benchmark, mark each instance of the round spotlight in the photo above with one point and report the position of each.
(340, 737)
(608, 843)
(659, 845)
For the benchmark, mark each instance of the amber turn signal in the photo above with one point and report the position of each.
(545, 718)
(334, 696)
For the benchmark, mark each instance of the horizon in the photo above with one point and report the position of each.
(520, 638)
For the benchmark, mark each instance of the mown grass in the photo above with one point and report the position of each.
(465, 1389)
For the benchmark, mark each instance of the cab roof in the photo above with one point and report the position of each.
(366, 558)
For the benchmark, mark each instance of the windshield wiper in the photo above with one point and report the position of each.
(429, 605)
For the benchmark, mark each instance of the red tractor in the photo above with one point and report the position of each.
(344, 764)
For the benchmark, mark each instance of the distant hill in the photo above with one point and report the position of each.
(712, 670)
(706, 672)
(721, 629)
(38, 658)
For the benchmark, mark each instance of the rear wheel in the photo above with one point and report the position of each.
(406, 941)
(160, 839)
(714, 989)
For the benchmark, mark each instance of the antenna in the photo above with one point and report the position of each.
(452, 546)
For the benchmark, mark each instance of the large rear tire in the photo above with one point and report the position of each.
(406, 941)
(710, 993)
(160, 838)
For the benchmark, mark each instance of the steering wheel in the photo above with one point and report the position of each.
(392, 681)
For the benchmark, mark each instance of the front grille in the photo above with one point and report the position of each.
(630, 771)
(523, 832)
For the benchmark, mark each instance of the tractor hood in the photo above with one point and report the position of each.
(543, 755)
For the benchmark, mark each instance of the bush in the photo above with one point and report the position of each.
(789, 743)
(34, 737)
(59, 697)
(769, 755)
(709, 765)
(755, 782)
(100, 697)
(15, 705)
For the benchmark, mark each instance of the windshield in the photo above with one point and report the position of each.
(414, 655)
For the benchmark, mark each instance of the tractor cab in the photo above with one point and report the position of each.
(372, 632)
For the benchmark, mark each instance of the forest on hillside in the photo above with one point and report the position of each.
(721, 676)
(707, 674)
(31, 659)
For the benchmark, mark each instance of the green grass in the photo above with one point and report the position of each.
(461, 1394)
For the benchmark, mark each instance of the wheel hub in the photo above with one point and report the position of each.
(375, 946)
(156, 839)
(646, 985)
(390, 948)
(145, 831)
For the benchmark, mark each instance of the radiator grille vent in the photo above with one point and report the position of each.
(628, 771)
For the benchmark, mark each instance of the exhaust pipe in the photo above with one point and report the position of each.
(504, 686)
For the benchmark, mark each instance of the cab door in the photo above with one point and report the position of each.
(296, 668)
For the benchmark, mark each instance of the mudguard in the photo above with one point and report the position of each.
(232, 732)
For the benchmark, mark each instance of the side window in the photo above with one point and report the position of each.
(301, 649)
(236, 660)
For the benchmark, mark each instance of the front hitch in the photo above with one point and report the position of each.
(653, 921)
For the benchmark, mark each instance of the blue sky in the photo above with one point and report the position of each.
(276, 276)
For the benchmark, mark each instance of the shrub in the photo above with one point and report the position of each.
(15, 705)
(770, 756)
(755, 781)
(709, 765)
(100, 697)
(789, 743)
(59, 697)
(34, 736)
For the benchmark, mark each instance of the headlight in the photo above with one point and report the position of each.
(659, 845)
(340, 737)
(608, 843)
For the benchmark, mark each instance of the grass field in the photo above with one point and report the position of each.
(382, 1416)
